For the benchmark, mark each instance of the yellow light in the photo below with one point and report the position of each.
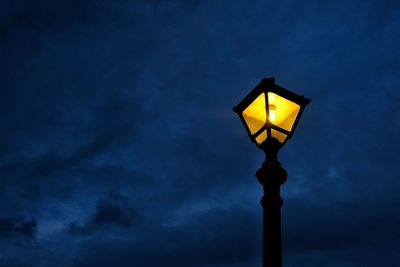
(281, 112)
(255, 114)
(261, 137)
(284, 111)
(281, 137)
(272, 114)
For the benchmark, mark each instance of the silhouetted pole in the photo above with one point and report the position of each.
(271, 175)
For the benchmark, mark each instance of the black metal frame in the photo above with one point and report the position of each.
(265, 86)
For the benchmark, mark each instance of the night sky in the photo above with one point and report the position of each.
(119, 146)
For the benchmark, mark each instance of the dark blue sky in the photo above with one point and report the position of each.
(118, 145)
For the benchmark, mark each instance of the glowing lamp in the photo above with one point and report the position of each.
(270, 111)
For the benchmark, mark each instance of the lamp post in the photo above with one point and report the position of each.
(270, 114)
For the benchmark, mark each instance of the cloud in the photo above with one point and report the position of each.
(113, 211)
(135, 97)
(18, 230)
(215, 237)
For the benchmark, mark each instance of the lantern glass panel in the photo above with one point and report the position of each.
(282, 112)
(281, 137)
(255, 115)
(261, 137)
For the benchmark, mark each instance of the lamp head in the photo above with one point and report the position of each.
(270, 111)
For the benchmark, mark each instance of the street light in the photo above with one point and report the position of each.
(270, 114)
